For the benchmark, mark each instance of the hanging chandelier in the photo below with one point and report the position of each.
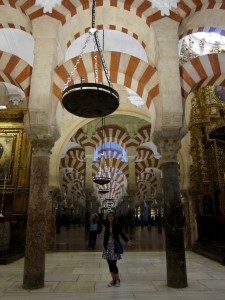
(109, 197)
(103, 191)
(48, 4)
(90, 100)
(102, 176)
(164, 5)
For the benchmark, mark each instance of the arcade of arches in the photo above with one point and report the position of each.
(164, 145)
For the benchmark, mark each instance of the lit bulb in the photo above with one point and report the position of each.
(92, 30)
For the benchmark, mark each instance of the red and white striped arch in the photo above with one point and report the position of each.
(202, 71)
(114, 134)
(123, 69)
(141, 8)
(70, 176)
(143, 153)
(70, 8)
(76, 153)
(143, 179)
(148, 163)
(144, 134)
(81, 138)
(69, 162)
(209, 29)
(15, 71)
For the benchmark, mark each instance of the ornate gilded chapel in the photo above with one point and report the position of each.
(112, 105)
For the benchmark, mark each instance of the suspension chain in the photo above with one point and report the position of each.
(97, 43)
(69, 79)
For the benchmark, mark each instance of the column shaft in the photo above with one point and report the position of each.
(174, 223)
(34, 263)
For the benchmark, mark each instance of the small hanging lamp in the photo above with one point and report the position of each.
(109, 197)
(90, 100)
(101, 176)
(103, 191)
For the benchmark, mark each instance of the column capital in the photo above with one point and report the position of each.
(42, 144)
(47, 28)
(169, 142)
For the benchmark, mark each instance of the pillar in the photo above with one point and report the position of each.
(34, 263)
(131, 213)
(132, 189)
(52, 218)
(40, 124)
(169, 131)
(173, 214)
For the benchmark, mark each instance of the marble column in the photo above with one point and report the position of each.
(53, 196)
(169, 130)
(159, 219)
(34, 264)
(89, 187)
(131, 212)
(173, 214)
(40, 124)
(132, 189)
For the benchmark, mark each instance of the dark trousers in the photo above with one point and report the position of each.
(112, 266)
(92, 238)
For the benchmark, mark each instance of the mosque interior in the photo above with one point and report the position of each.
(163, 147)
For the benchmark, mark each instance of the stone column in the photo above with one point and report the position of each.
(169, 105)
(190, 219)
(42, 130)
(132, 189)
(89, 187)
(173, 214)
(159, 214)
(131, 213)
(88, 210)
(51, 218)
(34, 264)
(169, 131)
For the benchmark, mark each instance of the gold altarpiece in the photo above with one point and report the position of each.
(207, 175)
(15, 155)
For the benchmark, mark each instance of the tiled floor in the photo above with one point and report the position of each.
(84, 275)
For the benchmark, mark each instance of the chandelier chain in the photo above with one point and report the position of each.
(99, 46)
(95, 63)
(102, 60)
(69, 79)
(93, 13)
(100, 52)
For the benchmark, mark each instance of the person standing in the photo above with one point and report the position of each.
(112, 234)
(93, 230)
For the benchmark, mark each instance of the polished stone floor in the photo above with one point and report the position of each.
(74, 274)
(145, 239)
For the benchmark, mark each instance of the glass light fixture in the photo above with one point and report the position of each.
(48, 4)
(85, 99)
(164, 5)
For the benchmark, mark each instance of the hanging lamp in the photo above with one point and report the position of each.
(90, 100)
(103, 191)
(101, 176)
(109, 195)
